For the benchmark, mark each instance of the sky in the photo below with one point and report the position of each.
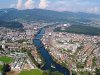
(90, 6)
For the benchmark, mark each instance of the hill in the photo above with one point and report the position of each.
(87, 30)
(45, 15)
(12, 24)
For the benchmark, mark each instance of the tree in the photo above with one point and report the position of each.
(6, 68)
(97, 71)
(45, 73)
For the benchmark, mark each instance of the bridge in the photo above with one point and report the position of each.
(36, 39)
(39, 34)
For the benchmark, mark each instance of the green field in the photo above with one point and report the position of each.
(31, 72)
(6, 59)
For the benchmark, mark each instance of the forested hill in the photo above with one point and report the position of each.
(12, 25)
(87, 30)
(45, 15)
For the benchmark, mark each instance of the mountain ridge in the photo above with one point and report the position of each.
(44, 15)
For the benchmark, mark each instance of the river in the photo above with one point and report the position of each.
(49, 62)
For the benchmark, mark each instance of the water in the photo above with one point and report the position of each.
(48, 59)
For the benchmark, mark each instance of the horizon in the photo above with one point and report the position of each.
(51, 10)
(87, 6)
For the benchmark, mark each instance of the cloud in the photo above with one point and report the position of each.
(43, 4)
(19, 4)
(60, 5)
(75, 6)
(94, 10)
(12, 5)
(29, 4)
